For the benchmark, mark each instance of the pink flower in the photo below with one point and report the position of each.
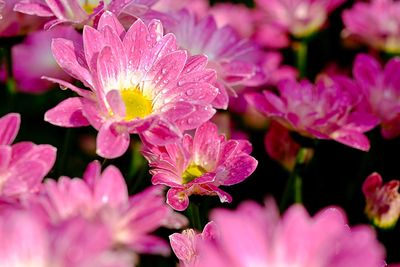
(381, 88)
(35, 53)
(185, 245)
(13, 23)
(255, 236)
(199, 165)
(383, 201)
(139, 83)
(324, 110)
(375, 23)
(26, 240)
(104, 197)
(81, 12)
(301, 18)
(198, 7)
(22, 165)
(236, 60)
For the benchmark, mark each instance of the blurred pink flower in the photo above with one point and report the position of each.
(236, 60)
(198, 7)
(26, 240)
(300, 18)
(381, 88)
(104, 197)
(255, 236)
(13, 23)
(280, 146)
(383, 201)
(139, 83)
(375, 23)
(185, 245)
(81, 12)
(32, 59)
(199, 165)
(22, 165)
(325, 110)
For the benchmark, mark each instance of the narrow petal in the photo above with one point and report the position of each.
(9, 126)
(109, 19)
(352, 138)
(33, 8)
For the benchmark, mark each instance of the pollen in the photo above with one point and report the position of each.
(136, 104)
(192, 172)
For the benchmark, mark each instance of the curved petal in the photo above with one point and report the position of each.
(111, 143)
(9, 126)
(68, 113)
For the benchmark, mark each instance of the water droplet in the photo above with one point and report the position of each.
(190, 92)
(190, 121)
(63, 87)
(163, 71)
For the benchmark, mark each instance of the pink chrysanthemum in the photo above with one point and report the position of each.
(22, 165)
(381, 88)
(27, 240)
(324, 110)
(255, 236)
(81, 12)
(104, 197)
(236, 60)
(199, 165)
(376, 23)
(301, 18)
(383, 200)
(139, 83)
(185, 245)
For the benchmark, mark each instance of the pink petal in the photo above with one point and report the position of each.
(116, 103)
(371, 184)
(177, 199)
(365, 69)
(161, 133)
(111, 143)
(92, 173)
(68, 113)
(352, 138)
(33, 8)
(93, 43)
(9, 126)
(109, 19)
(5, 158)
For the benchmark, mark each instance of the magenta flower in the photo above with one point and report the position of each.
(139, 83)
(383, 201)
(324, 110)
(236, 60)
(81, 12)
(104, 197)
(26, 240)
(255, 236)
(23, 165)
(185, 245)
(381, 88)
(199, 165)
(300, 18)
(375, 23)
(35, 52)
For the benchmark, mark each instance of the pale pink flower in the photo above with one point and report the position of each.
(236, 60)
(32, 59)
(27, 240)
(22, 165)
(255, 236)
(13, 23)
(198, 7)
(139, 83)
(382, 201)
(325, 110)
(375, 23)
(199, 165)
(185, 245)
(300, 18)
(80, 12)
(104, 197)
(381, 88)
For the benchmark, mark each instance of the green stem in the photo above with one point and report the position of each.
(194, 216)
(301, 49)
(294, 184)
(137, 169)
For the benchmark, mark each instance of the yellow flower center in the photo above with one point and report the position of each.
(192, 172)
(136, 104)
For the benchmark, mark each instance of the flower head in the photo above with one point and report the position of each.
(301, 18)
(104, 197)
(23, 165)
(375, 23)
(199, 165)
(381, 89)
(383, 201)
(236, 60)
(139, 83)
(325, 110)
(255, 236)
